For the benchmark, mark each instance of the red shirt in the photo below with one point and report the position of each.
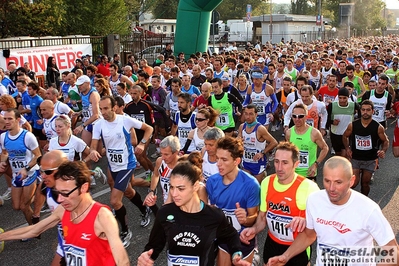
(82, 245)
(104, 70)
(200, 100)
(327, 96)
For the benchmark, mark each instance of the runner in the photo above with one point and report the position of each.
(236, 193)
(89, 227)
(257, 143)
(307, 139)
(195, 226)
(366, 136)
(211, 138)
(114, 130)
(284, 218)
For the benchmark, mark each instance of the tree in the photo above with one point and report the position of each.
(41, 18)
(164, 8)
(235, 9)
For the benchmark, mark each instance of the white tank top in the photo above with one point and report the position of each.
(315, 79)
(208, 168)
(379, 106)
(325, 73)
(164, 177)
(112, 85)
(198, 143)
(252, 145)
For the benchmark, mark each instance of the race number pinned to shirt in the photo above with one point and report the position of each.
(223, 120)
(139, 117)
(183, 132)
(363, 143)
(75, 255)
(115, 156)
(277, 226)
(303, 159)
(232, 218)
(310, 122)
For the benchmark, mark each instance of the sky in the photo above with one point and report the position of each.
(392, 4)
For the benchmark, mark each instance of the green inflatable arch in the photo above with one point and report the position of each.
(192, 26)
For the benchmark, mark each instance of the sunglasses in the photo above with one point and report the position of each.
(200, 119)
(298, 116)
(48, 171)
(65, 195)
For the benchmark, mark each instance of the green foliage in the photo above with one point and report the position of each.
(235, 9)
(164, 8)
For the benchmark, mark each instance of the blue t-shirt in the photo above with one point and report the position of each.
(192, 90)
(25, 100)
(35, 102)
(244, 189)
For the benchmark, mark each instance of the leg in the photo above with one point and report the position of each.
(365, 183)
(260, 177)
(356, 172)
(395, 151)
(16, 194)
(39, 201)
(56, 260)
(26, 200)
(223, 259)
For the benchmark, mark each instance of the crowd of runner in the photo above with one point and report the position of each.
(210, 119)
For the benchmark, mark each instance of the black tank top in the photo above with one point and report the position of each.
(365, 140)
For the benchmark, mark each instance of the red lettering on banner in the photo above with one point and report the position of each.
(79, 54)
(61, 60)
(70, 58)
(39, 63)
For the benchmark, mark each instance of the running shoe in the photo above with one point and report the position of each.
(93, 181)
(125, 237)
(98, 173)
(145, 218)
(6, 195)
(1, 242)
(148, 176)
(45, 208)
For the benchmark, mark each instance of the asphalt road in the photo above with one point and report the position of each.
(37, 252)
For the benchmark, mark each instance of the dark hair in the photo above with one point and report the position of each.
(210, 114)
(17, 114)
(114, 66)
(34, 85)
(176, 80)
(367, 102)
(218, 80)
(187, 170)
(232, 145)
(288, 146)
(185, 96)
(122, 85)
(307, 88)
(252, 106)
(119, 101)
(112, 100)
(75, 170)
(144, 75)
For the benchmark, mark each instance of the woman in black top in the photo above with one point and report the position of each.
(52, 73)
(189, 226)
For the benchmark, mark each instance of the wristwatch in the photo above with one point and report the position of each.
(143, 141)
(27, 167)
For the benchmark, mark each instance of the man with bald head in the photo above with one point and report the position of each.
(344, 222)
(48, 120)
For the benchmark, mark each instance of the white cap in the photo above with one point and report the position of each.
(261, 60)
(82, 79)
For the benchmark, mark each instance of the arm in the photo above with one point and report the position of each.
(237, 103)
(345, 140)
(188, 141)
(133, 137)
(300, 243)
(362, 87)
(249, 233)
(147, 135)
(388, 247)
(106, 223)
(151, 198)
(248, 96)
(385, 142)
(319, 140)
(263, 134)
(95, 103)
(36, 229)
(94, 155)
(127, 80)
(36, 154)
(173, 129)
(324, 116)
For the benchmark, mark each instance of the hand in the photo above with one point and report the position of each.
(23, 172)
(76, 113)
(381, 154)
(78, 129)
(277, 261)
(45, 147)
(349, 153)
(297, 224)
(145, 259)
(312, 170)
(257, 157)
(323, 132)
(241, 214)
(237, 260)
(94, 155)
(181, 153)
(3, 167)
(150, 199)
(336, 122)
(39, 122)
(247, 234)
(194, 95)
(139, 148)
(271, 117)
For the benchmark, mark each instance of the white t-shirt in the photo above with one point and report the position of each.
(74, 145)
(61, 108)
(354, 224)
(49, 127)
(116, 138)
(3, 90)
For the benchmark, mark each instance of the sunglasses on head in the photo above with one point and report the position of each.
(48, 171)
(200, 119)
(65, 195)
(298, 116)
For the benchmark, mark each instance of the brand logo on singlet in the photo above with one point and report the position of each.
(279, 206)
(180, 260)
(85, 236)
(340, 227)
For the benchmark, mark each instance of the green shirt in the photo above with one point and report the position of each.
(307, 150)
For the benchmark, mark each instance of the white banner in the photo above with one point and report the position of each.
(65, 56)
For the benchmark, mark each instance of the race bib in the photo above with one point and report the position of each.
(261, 109)
(276, 224)
(86, 113)
(139, 117)
(115, 156)
(363, 143)
(232, 218)
(303, 159)
(379, 113)
(17, 163)
(310, 122)
(327, 99)
(249, 155)
(183, 132)
(183, 260)
(75, 256)
(223, 120)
